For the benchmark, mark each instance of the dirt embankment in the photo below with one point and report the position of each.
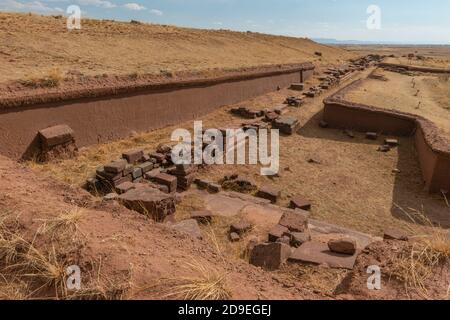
(36, 47)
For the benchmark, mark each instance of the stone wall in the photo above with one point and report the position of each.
(106, 118)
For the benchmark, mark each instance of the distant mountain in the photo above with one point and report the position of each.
(362, 42)
(354, 42)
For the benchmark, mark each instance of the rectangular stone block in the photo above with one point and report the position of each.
(56, 135)
(133, 156)
(145, 167)
(116, 167)
(166, 180)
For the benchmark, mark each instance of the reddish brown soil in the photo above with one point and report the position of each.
(125, 242)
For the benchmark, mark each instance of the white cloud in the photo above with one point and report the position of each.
(134, 6)
(97, 3)
(32, 6)
(156, 12)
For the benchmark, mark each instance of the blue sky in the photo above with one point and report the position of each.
(413, 21)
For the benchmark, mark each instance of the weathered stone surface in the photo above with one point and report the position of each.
(137, 173)
(121, 180)
(241, 227)
(234, 237)
(300, 203)
(214, 187)
(166, 180)
(319, 253)
(203, 216)
(146, 166)
(159, 157)
(133, 156)
(391, 142)
(189, 227)
(101, 173)
(116, 167)
(395, 234)
(298, 238)
(149, 201)
(277, 232)
(164, 149)
(269, 193)
(56, 135)
(125, 187)
(371, 135)
(111, 196)
(152, 173)
(284, 239)
(269, 256)
(297, 86)
(202, 184)
(286, 125)
(344, 245)
(294, 221)
(384, 148)
(129, 168)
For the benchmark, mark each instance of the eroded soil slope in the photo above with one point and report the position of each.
(121, 253)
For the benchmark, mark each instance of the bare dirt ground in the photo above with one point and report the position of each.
(423, 94)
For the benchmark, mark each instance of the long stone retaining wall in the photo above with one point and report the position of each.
(111, 115)
(432, 148)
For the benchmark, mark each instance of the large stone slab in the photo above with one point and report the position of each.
(149, 201)
(56, 135)
(318, 253)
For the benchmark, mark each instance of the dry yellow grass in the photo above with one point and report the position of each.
(425, 95)
(206, 284)
(37, 44)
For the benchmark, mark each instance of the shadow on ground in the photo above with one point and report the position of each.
(409, 198)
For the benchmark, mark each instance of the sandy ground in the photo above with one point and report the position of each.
(36, 46)
(425, 95)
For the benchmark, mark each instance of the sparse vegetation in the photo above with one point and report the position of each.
(208, 284)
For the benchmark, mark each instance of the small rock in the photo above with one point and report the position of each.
(371, 135)
(214, 188)
(111, 196)
(384, 148)
(298, 238)
(234, 237)
(391, 142)
(203, 216)
(240, 227)
(349, 133)
(343, 245)
(269, 193)
(395, 234)
(300, 203)
(277, 232)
